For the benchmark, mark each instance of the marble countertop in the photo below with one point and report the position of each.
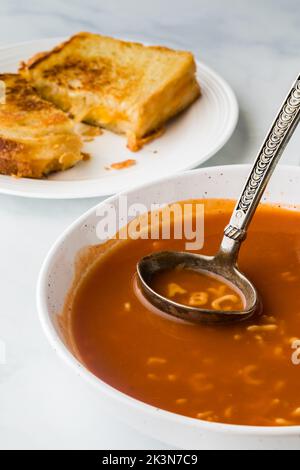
(255, 47)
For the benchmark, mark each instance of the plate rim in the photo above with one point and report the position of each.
(86, 193)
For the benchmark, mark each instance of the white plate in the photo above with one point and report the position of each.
(190, 139)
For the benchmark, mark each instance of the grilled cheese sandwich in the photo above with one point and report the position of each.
(122, 86)
(36, 138)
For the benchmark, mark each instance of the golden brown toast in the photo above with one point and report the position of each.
(36, 138)
(123, 86)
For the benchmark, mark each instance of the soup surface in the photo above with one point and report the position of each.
(238, 374)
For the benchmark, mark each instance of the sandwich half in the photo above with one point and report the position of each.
(36, 138)
(126, 87)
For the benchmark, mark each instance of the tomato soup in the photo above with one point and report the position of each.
(242, 373)
(196, 289)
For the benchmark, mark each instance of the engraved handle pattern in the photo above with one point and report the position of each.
(268, 158)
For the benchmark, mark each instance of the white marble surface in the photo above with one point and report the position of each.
(255, 46)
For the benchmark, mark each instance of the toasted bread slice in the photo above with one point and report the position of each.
(36, 138)
(123, 86)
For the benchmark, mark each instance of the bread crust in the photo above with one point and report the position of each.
(41, 56)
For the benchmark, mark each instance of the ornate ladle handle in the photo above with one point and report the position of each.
(267, 160)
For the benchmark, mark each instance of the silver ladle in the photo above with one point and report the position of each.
(225, 264)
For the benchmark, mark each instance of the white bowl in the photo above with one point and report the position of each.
(57, 275)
